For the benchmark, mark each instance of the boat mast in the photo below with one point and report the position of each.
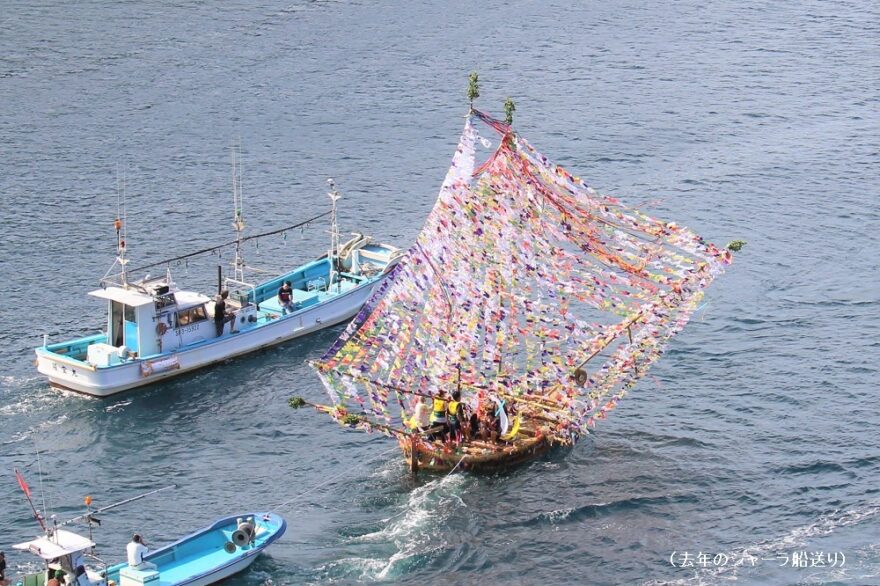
(120, 225)
(334, 196)
(237, 217)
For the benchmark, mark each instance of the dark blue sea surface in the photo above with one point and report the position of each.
(754, 439)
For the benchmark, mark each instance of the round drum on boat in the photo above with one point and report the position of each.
(229, 547)
(243, 535)
(580, 376)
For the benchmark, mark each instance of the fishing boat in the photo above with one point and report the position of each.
(209, 555)
(156, 330)
(527, 308)
(226, 547)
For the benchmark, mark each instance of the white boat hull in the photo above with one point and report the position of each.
(84, 378)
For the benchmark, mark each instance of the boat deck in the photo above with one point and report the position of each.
(199, 562)
(271, 307)
(75, 351)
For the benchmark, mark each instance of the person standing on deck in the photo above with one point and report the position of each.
(438, 418)
(421, 419)
(454, 416)
(220, 312)
(285, 298)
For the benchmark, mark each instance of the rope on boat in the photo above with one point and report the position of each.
(230, 243)
(456, 466)
(346, 472)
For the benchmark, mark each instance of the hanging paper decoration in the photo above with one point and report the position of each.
(527, 285)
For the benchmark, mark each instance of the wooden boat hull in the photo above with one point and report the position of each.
(429, 457)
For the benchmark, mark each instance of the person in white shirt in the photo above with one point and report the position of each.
(421, 419)
(136, 551)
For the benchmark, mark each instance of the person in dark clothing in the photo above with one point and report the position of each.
(2, 566)
(81, 577)
(220, 313)
(473, 425)
(285, 298)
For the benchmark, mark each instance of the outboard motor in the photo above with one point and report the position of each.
(245, 532)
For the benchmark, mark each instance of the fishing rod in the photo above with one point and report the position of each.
(89, 514)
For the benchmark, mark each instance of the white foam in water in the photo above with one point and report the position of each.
(559, 515)
(796, 538)
(21, 436)
(367, 567)
(29, 402)
(117, 406)
(416, 529)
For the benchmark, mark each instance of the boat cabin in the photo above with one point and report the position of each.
(150, 320)
(61, 550)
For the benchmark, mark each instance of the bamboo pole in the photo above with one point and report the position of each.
(515, 398)
(609, 339)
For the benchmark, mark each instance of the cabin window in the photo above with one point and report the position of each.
(191, 316)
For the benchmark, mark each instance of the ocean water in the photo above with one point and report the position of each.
(753, 441)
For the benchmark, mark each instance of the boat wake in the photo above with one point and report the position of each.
(862, 564)
(19, 403)
(417, 533)
(597, 509)
(35, 431)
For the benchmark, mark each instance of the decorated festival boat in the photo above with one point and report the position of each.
(529, 302)
(156, 330)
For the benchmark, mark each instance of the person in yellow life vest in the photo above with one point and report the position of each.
(438, 419)
(454, 416)
(421, 419)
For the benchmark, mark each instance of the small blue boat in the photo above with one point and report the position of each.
(225, 548)
(207, 556)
